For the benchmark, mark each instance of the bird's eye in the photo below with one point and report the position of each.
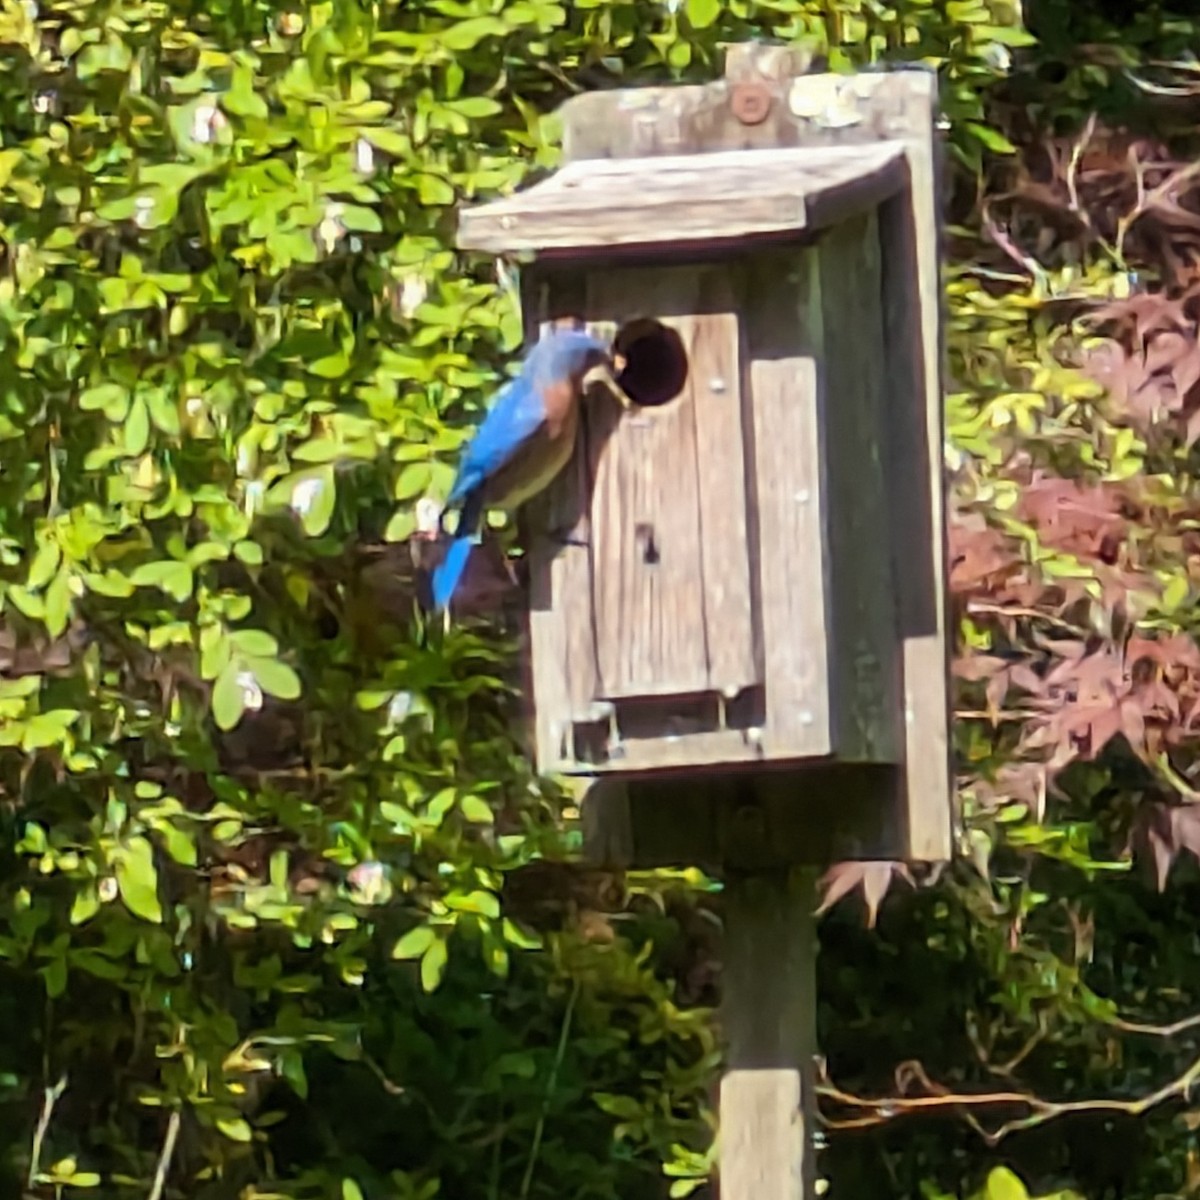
(651, 361)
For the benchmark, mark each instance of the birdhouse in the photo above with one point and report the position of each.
(736, 586)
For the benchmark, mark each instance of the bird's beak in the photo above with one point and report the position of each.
(613, 372)
(606, 372)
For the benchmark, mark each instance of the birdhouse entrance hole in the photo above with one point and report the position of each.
(656, 363)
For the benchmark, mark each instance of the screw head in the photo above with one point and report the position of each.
(750, 102)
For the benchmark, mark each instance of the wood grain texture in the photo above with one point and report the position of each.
(728, 194)
(785, 342)
(768, 1014)
(810, 110)
(562, 649)
(915, 442)
(865, 685)
(671, 588)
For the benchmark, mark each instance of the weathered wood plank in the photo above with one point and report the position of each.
(671, 578)
(915, 483)
(561, 638)
(732, 194)
(768, 1014)
(821, 109)
(730, 618)
(649, 611)
(679, 819)
(782, 302)
(706, 749)
(866, 690)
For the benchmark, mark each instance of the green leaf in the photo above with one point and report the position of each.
(351, 1190)
(702, 13)
(180, 846)
(137, 428)
(434, 192)
(228, 698)
(477, 810)
(173, 577)
(401, 527)
(235, 1128)
(58, 603)
(44, 565)
(110, 398)
(359, 219)
(255, 642)
(414, 943)
(483, 904)
(85, 905)
(83, 1179)
(993, 139)
(1003, 1184)
(274, 677)
(390, 141)
(312, 495)
(466, 35)
(137, 880)
(412, 481)
(55, 974)
(433, 965)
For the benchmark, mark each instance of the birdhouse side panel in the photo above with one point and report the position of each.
(865, 670)
(782, 373)
(915, 440)
(671, 576)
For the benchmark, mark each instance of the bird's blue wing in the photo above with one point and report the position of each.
(516, 417)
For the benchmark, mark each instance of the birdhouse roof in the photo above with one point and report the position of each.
(599, 203)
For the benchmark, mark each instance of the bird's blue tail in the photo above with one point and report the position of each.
(448, 573)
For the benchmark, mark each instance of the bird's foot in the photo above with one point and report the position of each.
(567, 535)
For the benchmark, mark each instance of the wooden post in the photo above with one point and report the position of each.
(769, 1010)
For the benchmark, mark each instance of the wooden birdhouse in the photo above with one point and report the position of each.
(737, 584)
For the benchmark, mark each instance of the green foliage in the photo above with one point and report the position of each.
(279, 910)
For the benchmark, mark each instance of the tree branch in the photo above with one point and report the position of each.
(872, 1111)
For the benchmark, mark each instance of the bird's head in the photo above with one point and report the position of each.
(577, 355)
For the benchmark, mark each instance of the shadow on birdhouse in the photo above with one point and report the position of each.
(750, 614)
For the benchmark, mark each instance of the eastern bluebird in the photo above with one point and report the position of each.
(522, 445)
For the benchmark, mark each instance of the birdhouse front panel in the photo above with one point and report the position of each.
(672, 603)
(713, 576)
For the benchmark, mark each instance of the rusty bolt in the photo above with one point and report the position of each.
(751, 102)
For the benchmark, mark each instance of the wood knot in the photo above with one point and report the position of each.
(750, 102)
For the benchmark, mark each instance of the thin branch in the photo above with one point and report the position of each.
(1163, 1031)
(878, 1111)
(168, 1153)
(389, 1086)
(1013, 610)
(535, 1149)
(1077, 151)
(50, 1097)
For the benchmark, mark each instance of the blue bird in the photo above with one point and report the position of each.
(521, 446)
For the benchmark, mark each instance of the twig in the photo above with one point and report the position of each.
(878, 1111)
(168, 1152)
(392, 1088)
(1073, 169)
(535, 1149)
(50, 1097)
(1012, 610)
(1163, 1031)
